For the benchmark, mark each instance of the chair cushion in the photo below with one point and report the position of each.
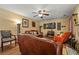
(7, 39)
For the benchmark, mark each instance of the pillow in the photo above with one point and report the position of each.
(62, 38)
(58, 38)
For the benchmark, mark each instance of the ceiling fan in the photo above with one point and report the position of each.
(41, 13)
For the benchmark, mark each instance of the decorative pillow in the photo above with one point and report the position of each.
(58, 38)
(61, 38)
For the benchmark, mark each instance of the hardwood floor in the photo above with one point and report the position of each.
(10, 50)
(14, 50)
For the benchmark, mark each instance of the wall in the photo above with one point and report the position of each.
(8, 21)
(30, 26)
(64, 21)
(75, 26)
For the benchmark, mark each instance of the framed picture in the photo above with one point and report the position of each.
(44, 26)
(50, 25)
(33, 24)
(25, 23)
(58, 26)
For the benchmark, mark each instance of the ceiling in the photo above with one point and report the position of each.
(55, 10)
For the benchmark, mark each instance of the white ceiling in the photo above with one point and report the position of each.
(55, 10)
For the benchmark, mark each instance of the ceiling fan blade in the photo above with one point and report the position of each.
(46, 11)
(46, 14)
(35, 15)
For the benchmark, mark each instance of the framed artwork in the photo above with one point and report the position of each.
(44, 26)
(50, 25)
(58, 26)
(75, 21)
(53, 26)
(25, 23)
(33, 24)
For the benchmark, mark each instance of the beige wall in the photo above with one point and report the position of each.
(30, 26)
(64, 22)
(75, 26)
(8, 21)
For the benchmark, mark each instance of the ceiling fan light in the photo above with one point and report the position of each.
(40, 15)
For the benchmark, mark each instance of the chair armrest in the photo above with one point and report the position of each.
(13, 36)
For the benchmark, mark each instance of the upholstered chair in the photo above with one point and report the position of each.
(6, 36)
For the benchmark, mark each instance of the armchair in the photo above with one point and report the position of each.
(6, 36)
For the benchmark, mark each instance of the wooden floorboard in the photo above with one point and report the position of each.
(10, 50)
(14, 50)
